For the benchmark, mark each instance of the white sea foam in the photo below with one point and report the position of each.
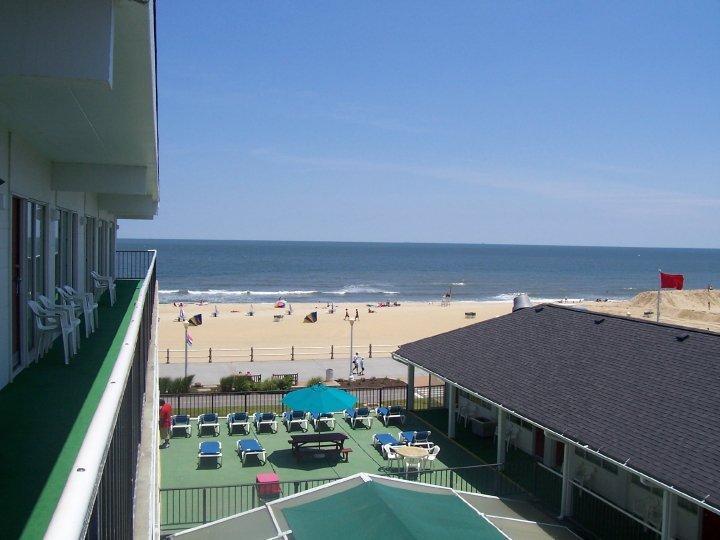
(244, 292)
(458, 284)
(359, 289)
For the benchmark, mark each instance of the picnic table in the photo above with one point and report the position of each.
(319, 443)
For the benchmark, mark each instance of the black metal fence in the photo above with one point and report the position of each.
(251, 402)
(132, 264)
(182, 508)
(112, 513)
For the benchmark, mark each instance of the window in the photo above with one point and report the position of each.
(102, 248)
(652, 489)
(519, 421)
(65, 252)
(596, 460)
(90, 251)
(33, 272)
(687, 505)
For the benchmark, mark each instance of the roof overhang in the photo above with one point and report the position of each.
(77, 81)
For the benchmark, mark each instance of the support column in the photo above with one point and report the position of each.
(566, 495)
(501, 423)
(451, 411)
(669, 504)
(549, 451)
(410, 399)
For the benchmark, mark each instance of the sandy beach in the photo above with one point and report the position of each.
(387, 326)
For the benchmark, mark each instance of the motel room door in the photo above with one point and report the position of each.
(710, 525)
(539, 446)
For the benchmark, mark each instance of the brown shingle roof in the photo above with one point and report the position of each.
(636, 391)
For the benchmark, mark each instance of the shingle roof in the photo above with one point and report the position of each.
(634, 390)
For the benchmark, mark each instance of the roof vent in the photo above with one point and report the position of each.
(521, 301)
(682, 337)
(600, 321)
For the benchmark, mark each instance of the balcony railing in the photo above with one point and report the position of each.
(97, 500)
(133, 264)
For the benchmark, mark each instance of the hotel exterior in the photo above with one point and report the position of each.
(78, 152)
(617, 417)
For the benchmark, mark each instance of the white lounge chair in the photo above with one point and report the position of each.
(290, 418)
(318, 418)
(265, 419)
(68, 313)
(180, 422)
(208, 420)
(210, 450)
(251, 447)
(48, 325)
(103, 283)
(388, 414)
(86, 303)
(391, 456)
(238, 419)
(432, 456)
(360, 415)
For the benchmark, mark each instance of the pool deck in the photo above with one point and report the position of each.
(179, 467)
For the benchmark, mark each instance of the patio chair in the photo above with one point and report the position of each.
(361, 415)
(210, 450)
(180, 422)
(382, 439)
(238, 419)
(208, 420)
(416, 438)
(251, 447)
(318, 418)
(103, 283)
(85, 302)
(290, 418)
(391, 456)
(47, 326)
(387, 414)
(432, 456)
(417, 464)
(66, 312)
(265, 419)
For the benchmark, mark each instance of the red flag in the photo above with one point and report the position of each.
(671, 281)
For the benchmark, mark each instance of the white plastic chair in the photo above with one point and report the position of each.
(432, 456)
(89, 298)
(81, 304)
(48, 326)
(391, 456)
(68, 314)
(102, 283)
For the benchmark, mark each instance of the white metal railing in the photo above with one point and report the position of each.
(77, 505)
(290, 352)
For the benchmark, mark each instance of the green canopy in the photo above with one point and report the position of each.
(375, 510)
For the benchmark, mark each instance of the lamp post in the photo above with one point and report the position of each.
(186, 347)
(352, 323)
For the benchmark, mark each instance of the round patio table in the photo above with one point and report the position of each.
(413, 452)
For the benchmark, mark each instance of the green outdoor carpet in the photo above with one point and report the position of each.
(46, 411)
(374, 510)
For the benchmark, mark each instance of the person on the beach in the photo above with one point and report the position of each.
(357, 314)
(165, 423)
(354, 369)
(361, 364)
(347, 315)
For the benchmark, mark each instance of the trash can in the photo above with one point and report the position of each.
(329, 375)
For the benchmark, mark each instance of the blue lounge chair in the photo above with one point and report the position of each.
(208, 420)
(180, 421)
(251, 447)
(238, 419)
(381, 439)
(361, 415)
(210, 450)
(291, 418)
(265, 419)
(416, 438)
(318, 418)
(387, 414)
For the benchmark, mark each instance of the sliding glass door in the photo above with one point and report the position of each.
(90, 251)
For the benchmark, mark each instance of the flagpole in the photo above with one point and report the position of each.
(657, 311)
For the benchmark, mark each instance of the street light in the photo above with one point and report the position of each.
(352, 322)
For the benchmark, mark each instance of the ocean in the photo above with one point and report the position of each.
(260, 271)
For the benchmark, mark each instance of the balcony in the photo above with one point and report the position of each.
(72, 432)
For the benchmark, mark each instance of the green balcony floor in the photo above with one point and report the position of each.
(46, 412)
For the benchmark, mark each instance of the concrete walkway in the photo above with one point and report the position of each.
(209, 374)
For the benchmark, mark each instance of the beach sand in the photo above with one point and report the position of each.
(388, 327)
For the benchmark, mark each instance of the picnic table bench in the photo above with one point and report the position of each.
(319, 443)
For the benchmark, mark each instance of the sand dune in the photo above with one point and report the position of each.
(696, 308)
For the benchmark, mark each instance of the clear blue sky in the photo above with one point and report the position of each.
(592, 123)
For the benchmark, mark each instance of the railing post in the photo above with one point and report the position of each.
(380, 402)
(210, 355)
(167, 357)
(204, 505)
(251, 354)
(370, 351)
(292, 352)
(332, 352)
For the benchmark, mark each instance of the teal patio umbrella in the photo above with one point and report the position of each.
(319, 398)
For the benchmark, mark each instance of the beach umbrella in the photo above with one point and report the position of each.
(319, 398)
(280, 304)
(310, 317)
(195, 320)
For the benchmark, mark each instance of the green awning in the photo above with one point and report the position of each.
(375, 510)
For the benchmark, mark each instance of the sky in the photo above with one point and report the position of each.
(578, 123)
